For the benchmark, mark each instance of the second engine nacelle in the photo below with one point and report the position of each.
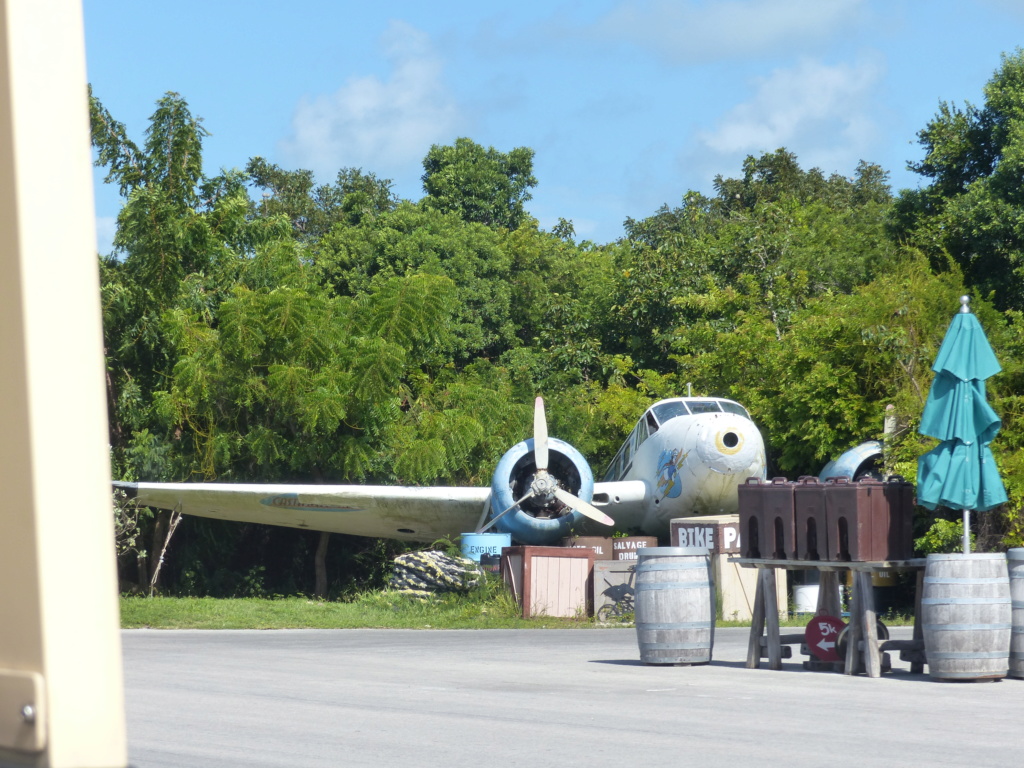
(539, 520)
(860, 461)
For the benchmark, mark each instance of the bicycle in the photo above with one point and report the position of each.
(622, 596)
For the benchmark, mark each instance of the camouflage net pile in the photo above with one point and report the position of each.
(425, 574)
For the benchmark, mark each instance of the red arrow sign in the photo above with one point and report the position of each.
(821, 635)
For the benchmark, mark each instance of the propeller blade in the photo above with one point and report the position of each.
(483, 512)
(540, 435)
(500, 515)
(584, 508)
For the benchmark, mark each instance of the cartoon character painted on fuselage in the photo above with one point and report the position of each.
(668, 472)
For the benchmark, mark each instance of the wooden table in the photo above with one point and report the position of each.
(862, 633)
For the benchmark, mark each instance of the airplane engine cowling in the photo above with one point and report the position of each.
(539, 521)
(860, 461)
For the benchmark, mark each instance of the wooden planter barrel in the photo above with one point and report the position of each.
(1015, 566)
(674, 605)
(965, 613)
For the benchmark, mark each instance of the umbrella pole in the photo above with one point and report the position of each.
(967, 531)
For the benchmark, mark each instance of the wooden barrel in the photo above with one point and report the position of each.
(965, 614)
(1015, 566)
(674, 604)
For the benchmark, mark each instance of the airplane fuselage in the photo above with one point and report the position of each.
(692, 454)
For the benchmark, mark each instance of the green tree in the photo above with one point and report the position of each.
(480, 185)
(972, 210)
(283, 382)
(770, 240)
(413, 239)
(561, 298)
(312, 209)
(178, 236)
(821, 386)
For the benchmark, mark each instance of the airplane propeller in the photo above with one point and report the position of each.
(544, 485)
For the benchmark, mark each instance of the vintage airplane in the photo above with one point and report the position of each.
(686, 456)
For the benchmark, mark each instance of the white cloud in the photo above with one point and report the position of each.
(822, 113)
(379, 125)
(727, 29)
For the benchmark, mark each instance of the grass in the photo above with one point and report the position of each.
(489, 608)
(380, 610)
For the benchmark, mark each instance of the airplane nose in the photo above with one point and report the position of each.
(729, 444)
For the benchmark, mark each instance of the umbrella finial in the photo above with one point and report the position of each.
(964, 302)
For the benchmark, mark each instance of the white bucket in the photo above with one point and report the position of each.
(805, 598)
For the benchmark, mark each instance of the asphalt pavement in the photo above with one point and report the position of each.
(534, 698)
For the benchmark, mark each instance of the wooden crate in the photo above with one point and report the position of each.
(549, 581)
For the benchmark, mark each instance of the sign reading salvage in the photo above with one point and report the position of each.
(625, 548)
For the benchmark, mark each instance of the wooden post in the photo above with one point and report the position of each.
(869, 625)
(771, 611)
(854, 632)
(756, 623)
(828, 594)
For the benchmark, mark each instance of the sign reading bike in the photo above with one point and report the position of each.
(821, 636)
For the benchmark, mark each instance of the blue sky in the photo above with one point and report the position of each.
(627, 105)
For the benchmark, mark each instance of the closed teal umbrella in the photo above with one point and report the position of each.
(960, 472)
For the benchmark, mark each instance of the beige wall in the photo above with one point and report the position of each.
(59, 639)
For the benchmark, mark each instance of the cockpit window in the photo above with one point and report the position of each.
(639, 433)
(704, 406)
(670, 409)
(652, 423)
(736, 408)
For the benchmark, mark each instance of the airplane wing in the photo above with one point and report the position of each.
(383, 511)
(393, 512)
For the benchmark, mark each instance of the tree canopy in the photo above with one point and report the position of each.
(972, 209)
(484, 186)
